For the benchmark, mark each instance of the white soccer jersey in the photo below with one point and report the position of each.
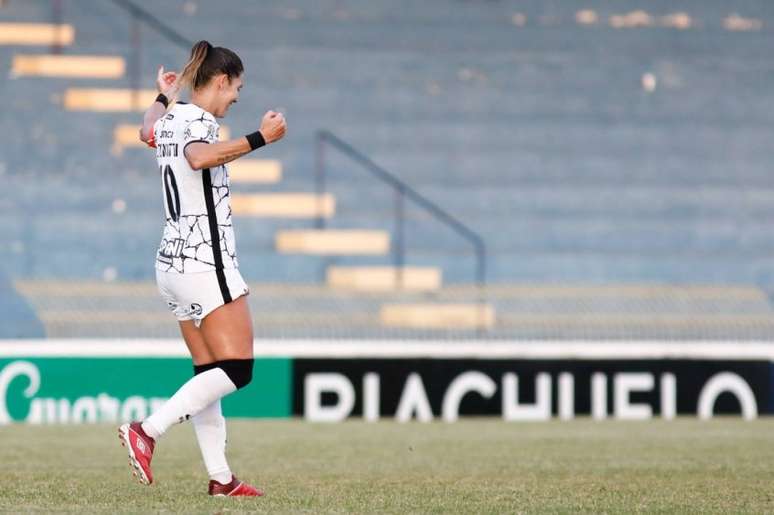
(198, 235)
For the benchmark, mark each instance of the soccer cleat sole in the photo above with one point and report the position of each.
(229, 496)
(123, 435)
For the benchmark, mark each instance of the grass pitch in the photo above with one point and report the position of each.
(474, 466)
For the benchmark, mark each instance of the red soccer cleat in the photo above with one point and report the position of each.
(235, 488)
(140, 447)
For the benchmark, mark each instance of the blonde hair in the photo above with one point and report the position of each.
(192, 69)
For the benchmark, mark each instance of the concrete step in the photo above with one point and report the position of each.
(674, 205)
(333, 242)
(108, 99)
(556, 202)
(283, 205)
(438, 316)
(255, 171)
(69, 66)
(383, 278)
(522, 297)
(36, 34)
(134, 309)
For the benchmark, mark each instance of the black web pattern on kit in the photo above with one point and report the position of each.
(193, 229)
(221, 192)
(210, 123)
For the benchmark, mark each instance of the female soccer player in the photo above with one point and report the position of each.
(196, 265)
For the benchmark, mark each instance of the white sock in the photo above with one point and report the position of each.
(199, 392)
(210, 427)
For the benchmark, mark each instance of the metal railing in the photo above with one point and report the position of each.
(140, 16)
(57, 16)
(402, 192)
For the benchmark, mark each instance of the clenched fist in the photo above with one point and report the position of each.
(273, 126)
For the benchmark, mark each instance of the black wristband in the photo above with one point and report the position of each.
(163, 99)
(255, 139)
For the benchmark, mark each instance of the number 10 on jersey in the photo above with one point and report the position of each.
(171, 193)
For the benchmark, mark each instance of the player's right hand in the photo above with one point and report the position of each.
(167, 83)
(273, 126)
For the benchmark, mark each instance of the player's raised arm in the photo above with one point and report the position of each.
(204, 155)
(167, 84)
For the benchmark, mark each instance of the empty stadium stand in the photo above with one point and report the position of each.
(615, 161)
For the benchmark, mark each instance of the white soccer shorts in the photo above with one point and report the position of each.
(196, 295)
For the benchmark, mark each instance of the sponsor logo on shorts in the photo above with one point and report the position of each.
(193, 310)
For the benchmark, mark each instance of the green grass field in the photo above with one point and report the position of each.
(475, 466)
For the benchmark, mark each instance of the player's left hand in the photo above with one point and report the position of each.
(273, 126)
(167, 83)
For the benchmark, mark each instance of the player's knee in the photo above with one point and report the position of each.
(200, 369)
(240, 371)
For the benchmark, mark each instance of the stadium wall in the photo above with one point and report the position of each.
(89, 381)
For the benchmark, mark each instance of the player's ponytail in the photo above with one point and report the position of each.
(193, 66)
(207, 61)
